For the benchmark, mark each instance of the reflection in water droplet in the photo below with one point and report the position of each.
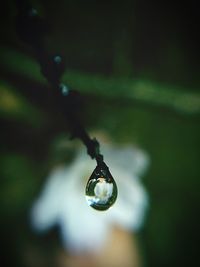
(101, 189)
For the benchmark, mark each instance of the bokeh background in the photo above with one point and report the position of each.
(136, 64)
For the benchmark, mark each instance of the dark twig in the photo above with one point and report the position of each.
(31, 29)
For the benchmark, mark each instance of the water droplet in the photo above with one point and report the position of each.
(57, 59)
(101, 189)
(33, 12)
(64, 89)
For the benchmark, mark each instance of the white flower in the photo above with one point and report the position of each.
(103, 191)
(63, 202)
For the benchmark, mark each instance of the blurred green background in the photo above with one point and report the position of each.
(136, 64)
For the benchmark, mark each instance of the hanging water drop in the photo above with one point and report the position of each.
(101, 189)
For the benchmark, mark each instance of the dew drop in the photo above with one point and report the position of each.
(101, 189)
(64, 89)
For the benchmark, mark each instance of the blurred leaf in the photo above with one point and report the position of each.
(142, 91)
(13, 105)
(20, 63)
(18, 182)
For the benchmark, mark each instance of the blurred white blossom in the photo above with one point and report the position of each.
(62, 200)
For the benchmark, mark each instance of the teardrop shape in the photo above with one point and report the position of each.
(101, 189)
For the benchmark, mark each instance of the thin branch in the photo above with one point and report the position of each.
(31, 29)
